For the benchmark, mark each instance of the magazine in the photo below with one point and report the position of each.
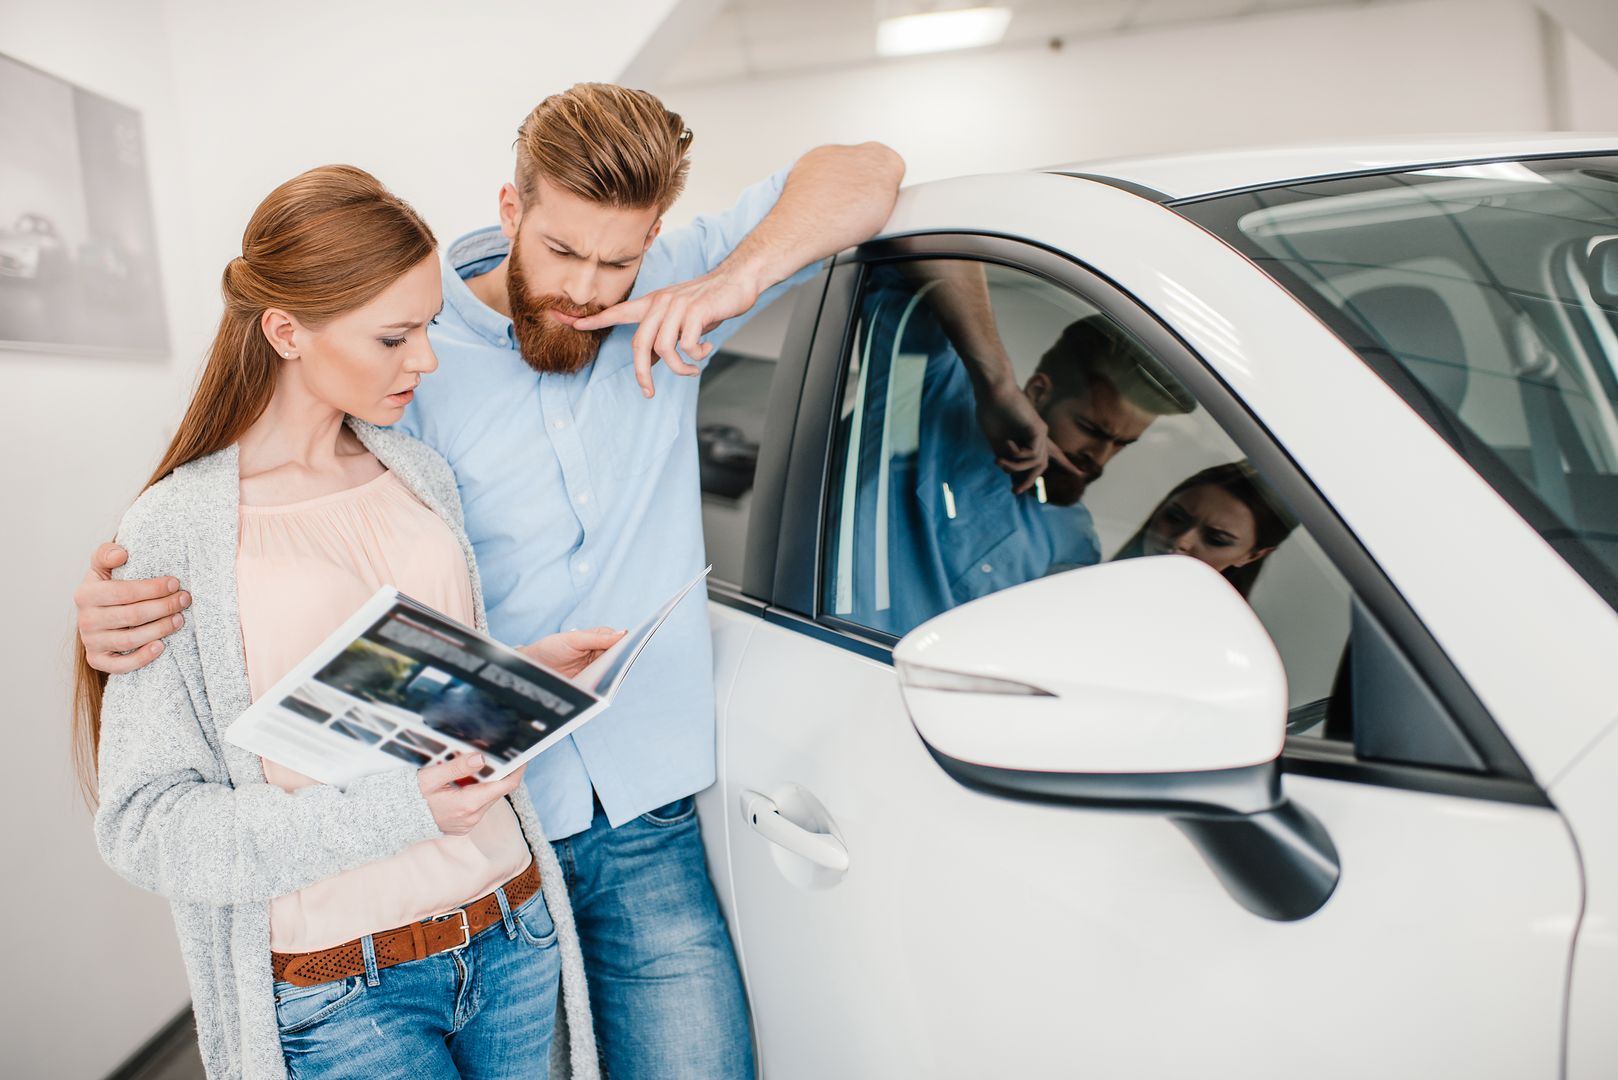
(400, 682)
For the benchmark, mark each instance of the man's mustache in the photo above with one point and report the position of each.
(539, 305)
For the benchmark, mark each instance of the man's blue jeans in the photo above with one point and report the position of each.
(485, 1012)
(664, 985)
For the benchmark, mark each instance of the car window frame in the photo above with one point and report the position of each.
(786, 538)
(780, 410)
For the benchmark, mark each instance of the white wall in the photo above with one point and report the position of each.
(425, 95)
(92, 966)
(1591, 87)
(1424, 66)
(235, 98)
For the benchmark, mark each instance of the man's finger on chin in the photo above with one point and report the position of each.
(1059, 458)
(629, 311)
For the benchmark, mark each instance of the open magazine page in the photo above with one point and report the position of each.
(400, 683)
(606, 673)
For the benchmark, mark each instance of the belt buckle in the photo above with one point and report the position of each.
(466, 927)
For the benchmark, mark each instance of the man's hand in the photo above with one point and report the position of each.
(834, 197)
(1017, 434)
(674, 319)
(122, 623)
(571, 652)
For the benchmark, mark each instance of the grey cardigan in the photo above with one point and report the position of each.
(189, 816)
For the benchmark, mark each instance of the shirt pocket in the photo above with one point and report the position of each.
(973, 534)
(625, 433)
(995, 565)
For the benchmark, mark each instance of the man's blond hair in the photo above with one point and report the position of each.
(607, 144)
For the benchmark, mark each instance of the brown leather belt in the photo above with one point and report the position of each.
(448, 932)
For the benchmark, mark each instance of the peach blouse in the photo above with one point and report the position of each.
(302, 569)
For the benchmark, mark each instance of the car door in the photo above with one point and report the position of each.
(893, 921)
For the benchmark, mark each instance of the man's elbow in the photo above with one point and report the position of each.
(884, 162)
(874, 161)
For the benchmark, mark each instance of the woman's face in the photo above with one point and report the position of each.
(367, 362)
(1208, 523)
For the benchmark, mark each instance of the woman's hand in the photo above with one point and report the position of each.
(458, 809)
(571, 652)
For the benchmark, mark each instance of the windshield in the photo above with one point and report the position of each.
(1487, 296)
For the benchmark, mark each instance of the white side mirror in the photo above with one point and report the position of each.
(1151, 665)
(1146, 685)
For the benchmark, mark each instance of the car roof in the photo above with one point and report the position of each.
(1186, 176)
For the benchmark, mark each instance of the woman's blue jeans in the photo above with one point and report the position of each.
(485, 1012)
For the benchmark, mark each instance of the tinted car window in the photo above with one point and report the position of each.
(731, 405)
(928, 509)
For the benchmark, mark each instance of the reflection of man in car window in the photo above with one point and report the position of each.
(957, 526)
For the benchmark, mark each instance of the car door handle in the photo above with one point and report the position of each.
(765, 817)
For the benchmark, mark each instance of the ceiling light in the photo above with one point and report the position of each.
(936, 31)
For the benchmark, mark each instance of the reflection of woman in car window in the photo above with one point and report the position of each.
(1226, 516)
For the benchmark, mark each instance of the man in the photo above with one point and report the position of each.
(582, 502)
(957, 528)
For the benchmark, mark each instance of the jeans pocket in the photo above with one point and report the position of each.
(298, 1008)
(534, 922)
(675, 812)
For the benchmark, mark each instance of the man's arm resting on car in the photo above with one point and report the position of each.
(122, 623)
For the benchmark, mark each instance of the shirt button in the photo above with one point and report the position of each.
(584, 498)
(986, 568)
(584, 568)
(558, 424)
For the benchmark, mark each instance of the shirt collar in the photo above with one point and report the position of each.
(469, 256)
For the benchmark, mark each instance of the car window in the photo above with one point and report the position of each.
(732, 401)
(949, 360)
(1486, 295)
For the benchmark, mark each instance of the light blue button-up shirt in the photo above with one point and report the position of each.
(583, 506)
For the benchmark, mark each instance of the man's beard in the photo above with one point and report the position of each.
(549, 347)
(1062, 488)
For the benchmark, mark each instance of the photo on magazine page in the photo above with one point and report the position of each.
(415, 687)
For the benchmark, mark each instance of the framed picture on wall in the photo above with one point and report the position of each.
(78, 250)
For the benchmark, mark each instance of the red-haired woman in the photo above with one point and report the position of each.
(403, 925)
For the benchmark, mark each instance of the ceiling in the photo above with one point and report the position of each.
(749, 38)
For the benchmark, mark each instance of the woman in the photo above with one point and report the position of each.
(306, 914)
(1225, 516)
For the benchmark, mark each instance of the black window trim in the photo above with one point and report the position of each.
(764, 515)
(783, 578)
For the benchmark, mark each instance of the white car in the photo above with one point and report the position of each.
(981, 814)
